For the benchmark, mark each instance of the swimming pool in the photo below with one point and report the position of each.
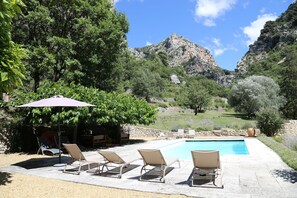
(182, 150)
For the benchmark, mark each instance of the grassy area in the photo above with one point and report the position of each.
(203, 121)
(288, 156)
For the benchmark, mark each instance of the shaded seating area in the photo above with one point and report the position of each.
(155, 159)
(113, 160)
(77, 159)
(94, 141)
(207, 167)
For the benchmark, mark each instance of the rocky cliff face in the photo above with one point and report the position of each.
(274, 36)
(181, 52)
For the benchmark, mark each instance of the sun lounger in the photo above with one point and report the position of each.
(180, 133)
(111, 158)
(76, 157)
(154, 157)
(191, 133)
(44, 148)
(207, 166)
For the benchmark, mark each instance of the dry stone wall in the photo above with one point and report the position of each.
(290, 127)
(142, 132)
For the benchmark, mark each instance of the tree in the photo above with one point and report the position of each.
(83, 38)
(253, 93)
(11, 54)
(196, 97)
(288, 82)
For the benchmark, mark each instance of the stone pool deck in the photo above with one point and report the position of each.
(260, 174)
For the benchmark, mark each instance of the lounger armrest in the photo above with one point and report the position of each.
(171, 161)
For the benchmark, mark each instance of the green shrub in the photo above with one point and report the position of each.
(269, 121)
(288, 156)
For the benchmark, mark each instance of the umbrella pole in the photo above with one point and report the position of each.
(59, 134)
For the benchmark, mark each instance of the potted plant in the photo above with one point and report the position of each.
(251, 132)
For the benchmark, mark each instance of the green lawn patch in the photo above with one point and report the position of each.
(288, 156)
(203, 121)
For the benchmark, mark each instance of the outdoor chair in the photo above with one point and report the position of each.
(154, 158)
(180, 133)
(191, 133)
(124, 138)
(77, 159)
(44, 148)
(111, 159)
(207, 166)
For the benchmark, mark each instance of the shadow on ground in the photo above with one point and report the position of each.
(136, 141)
(41, 162)
(287, 175)
(114, 172)
(5, 178)
(242, 116)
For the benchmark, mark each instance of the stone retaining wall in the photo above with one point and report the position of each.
(290, 127)
(140, 132)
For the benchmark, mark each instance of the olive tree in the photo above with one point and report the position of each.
(195, 96)
(255, 92)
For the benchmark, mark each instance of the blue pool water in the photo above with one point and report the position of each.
(183, 150)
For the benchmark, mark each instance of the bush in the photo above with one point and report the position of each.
(269, 121)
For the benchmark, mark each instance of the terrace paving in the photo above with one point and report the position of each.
(260, 174)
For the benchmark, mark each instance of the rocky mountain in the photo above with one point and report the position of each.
(195, 59)
(274, 36)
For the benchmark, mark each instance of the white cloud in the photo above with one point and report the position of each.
(216, 41)
(219, 51)
(148, 43)
(209, 10)
(254, 29)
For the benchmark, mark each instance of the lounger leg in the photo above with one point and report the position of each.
(104, 165)
(65, 168)
(162, 179)
(78, 172)
(142, 168)
(121, 171)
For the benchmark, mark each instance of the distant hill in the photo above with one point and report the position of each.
(195, 59)
(275, 37)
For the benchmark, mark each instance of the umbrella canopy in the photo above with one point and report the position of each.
(57, 101)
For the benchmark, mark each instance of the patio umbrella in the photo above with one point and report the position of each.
(57, 101)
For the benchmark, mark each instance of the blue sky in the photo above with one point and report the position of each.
(225, 27)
